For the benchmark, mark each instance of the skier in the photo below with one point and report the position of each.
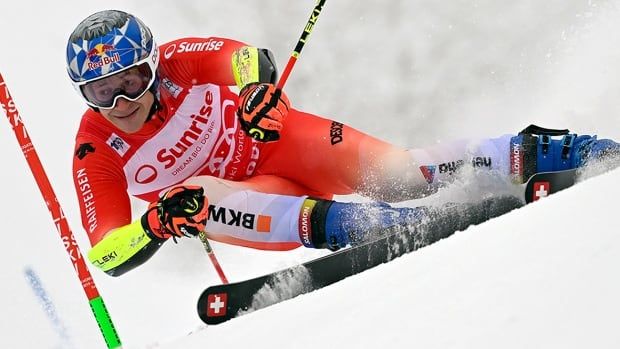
(165, 126)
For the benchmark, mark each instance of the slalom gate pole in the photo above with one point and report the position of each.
(88, 284)
(314, 16)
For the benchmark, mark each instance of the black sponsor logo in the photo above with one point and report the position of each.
(481, 161)
(231, 217)
(84, 149)
(476, 162)
(451, 167)
(335, 132)
(107, 258)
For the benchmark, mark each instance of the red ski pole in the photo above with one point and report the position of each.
(207, 246)
(314, 16)
(96, 302)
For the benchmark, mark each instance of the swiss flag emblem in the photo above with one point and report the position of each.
(541, 190)
(216, 304)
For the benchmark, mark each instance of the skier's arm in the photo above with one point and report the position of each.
(181, 211)
(218, 61)
(123, 249)
(253, 64)
(242, 216)
(101, 189)
(104, 206)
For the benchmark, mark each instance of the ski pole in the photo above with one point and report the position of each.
(314, 16)
(88, 284)
(218, 268)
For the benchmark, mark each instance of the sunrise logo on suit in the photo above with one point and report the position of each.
(169, 156)
(190, 141)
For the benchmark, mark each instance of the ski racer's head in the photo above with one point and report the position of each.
(112, 61)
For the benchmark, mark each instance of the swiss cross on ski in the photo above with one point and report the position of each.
(544, 184)
(216, 304)
(541, 190)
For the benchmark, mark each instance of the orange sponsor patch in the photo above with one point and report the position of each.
(263, 224)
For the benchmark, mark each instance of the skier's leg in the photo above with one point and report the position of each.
(241, 215)
(261, 212)
(327, 156)
(330, 157)
(320, 154)
(245, 214)
(237, 214)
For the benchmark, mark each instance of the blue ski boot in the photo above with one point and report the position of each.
(354, 223)
(332, 225)
(534, 150)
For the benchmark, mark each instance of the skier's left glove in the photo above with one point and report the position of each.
(262, 110)
(181, 211)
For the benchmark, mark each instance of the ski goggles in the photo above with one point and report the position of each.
(129, 83)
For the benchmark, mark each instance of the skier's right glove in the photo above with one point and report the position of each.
(181, 211)
(262, 110)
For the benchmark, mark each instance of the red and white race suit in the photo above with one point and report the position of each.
(196, 135)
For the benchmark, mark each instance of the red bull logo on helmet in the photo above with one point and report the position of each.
(98, 56)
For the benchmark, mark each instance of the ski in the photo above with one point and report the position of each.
(544, 184)
(220, 303)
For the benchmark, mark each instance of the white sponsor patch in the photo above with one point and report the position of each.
(118, 144)
(173, 88)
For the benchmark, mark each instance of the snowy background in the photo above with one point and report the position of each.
(414, 72)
